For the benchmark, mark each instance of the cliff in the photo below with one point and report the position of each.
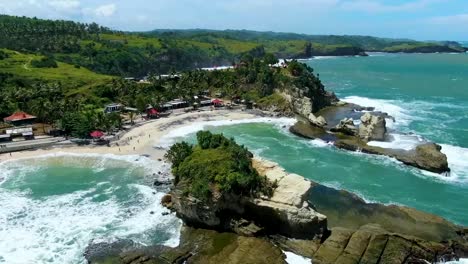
(286, 212)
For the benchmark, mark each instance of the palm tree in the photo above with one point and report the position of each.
(132, 117)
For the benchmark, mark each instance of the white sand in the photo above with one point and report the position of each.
(143, 138)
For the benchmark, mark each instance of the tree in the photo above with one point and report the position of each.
(308, 50)
(178, 153)
(141, 102)
(270, 59)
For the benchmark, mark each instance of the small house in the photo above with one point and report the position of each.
(20, 119)
(111, 108)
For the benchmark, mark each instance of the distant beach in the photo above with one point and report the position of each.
(140, 140)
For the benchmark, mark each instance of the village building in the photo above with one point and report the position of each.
(20, 119)
(111, 108)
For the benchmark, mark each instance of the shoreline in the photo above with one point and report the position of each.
(140, 140)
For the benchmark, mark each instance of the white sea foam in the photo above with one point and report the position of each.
(57, 228)
(399, 141)
(456, 156)
(401, 115)
(458, 161)
(320, 143)
(461, 261)
(168, 139)
(292, 258)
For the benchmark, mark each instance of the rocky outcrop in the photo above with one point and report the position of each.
(287, 212)
(370, 244)
(346, 126)
(344, 135)
(197, 246)
(317, 121)
(427, 156)
(372, 127)
(288, 208)
(309, 99)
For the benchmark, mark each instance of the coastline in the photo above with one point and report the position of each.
(138, 140)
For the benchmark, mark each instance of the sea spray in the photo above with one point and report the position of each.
(53, 206)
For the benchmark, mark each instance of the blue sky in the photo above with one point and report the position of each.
(416, 19)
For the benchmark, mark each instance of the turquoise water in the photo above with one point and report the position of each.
(53, 207)
(428, 96)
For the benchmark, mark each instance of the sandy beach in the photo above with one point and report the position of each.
(139, 140)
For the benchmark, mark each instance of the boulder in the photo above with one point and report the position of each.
(427, 156)
(317, 121)
(372, 127)
(346, 126)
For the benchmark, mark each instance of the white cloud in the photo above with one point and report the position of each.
(105, 10)
(456, 20)
(374, 6)
(65, 5)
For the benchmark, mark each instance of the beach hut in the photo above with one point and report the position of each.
(96, 134)
(152, 113)
(20, 119)
(217, 102)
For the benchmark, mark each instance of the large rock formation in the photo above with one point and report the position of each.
(372, 127)
(346, 126)
(426, 156)
(361, 233)
(287, 212)
(197, 246)
(317, 121)
(370, 244)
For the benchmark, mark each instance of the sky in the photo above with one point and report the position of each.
(415, 19)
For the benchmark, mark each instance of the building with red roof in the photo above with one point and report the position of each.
(20, 118)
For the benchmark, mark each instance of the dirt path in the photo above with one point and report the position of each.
(25, 66)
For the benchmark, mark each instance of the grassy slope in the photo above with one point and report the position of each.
(19, 64)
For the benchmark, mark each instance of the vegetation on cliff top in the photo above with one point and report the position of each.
(216, 165)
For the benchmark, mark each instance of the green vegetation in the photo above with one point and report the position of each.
(3, 55)
(62, 71)
(275, 102)
(216, 165)
(45, 62)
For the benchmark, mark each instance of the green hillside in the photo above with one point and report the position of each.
(22, 66)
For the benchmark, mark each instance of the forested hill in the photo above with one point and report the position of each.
(367, 43)
(126, 54)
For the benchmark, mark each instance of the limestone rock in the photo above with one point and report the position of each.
(287, 212)
(317, 121)
(427, 157)
(372, 127)
(346, 126)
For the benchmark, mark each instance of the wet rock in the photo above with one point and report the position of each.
(317, 121)
(305, 130)
(427, 156)
(346, 126)
(372, 127)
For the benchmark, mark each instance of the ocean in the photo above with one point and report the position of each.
(52, 207)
